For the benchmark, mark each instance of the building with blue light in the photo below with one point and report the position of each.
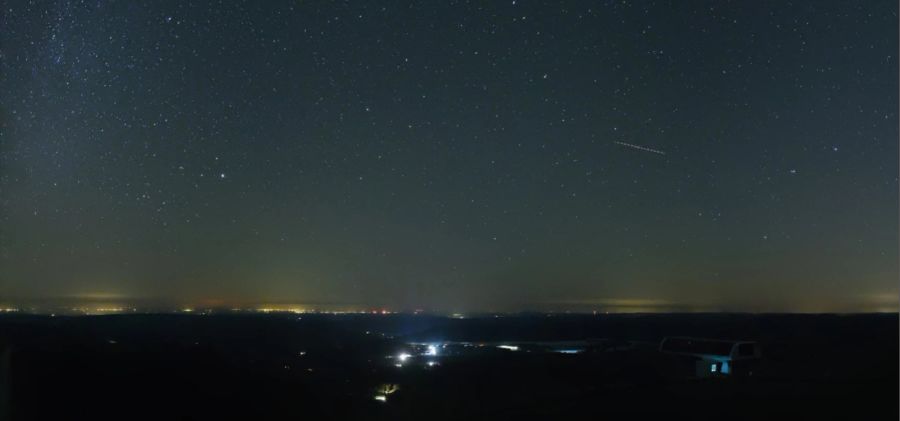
(715, 357)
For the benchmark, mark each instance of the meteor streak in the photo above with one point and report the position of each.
(640, 148)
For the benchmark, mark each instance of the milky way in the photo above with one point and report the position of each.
(452, 155)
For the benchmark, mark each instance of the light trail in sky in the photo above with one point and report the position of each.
(640, 148)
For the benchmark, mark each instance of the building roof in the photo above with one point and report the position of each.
(702, 347)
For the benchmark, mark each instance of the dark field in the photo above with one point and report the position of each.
(286, 366)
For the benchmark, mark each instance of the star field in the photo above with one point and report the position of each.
(452, 156)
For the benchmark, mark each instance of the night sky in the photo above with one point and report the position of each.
(452, 156)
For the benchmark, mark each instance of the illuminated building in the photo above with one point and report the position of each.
(431, 350)
(383, 390)
(714, 357)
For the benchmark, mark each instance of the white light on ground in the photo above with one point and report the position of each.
(403, 357)
(508, 347)
(432, 350)
(381, 398)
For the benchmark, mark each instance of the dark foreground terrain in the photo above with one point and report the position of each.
(288, 366)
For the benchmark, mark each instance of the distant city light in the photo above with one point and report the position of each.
(432, 363)
(432, 350)
(381, 398)
(295, 310)
(568, 351)
(508, 347)
(403, 357)
(99, 310)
